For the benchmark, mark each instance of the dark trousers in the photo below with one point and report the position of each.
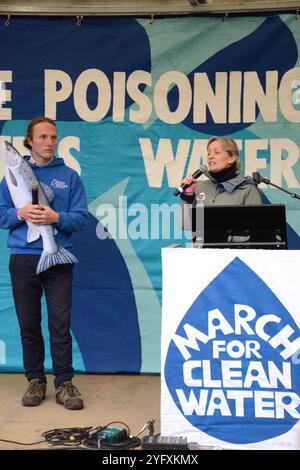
(28, 288)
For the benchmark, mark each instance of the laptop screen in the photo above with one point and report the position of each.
(256, 226)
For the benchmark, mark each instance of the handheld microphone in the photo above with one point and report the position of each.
(35, 192)
(257, 178)
(195, 175)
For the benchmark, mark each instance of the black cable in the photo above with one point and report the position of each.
(22, 443)
(88, 437)
(117, 422)
(70, 437)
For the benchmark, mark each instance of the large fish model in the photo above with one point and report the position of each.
(20, 180)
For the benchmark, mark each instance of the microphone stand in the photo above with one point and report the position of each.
(266, 181)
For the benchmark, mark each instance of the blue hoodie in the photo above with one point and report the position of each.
(69, 201)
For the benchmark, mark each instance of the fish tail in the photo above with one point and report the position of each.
(48, 260)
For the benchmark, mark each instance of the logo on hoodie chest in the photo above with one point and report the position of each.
(59, 184)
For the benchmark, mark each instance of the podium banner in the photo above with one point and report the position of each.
(231, 347)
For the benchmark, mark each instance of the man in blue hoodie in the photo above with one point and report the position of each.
(67, 213)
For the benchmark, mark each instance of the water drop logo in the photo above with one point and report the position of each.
(230, 365)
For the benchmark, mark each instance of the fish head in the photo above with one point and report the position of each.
(12, 158)
(20, 177)
(16, 175)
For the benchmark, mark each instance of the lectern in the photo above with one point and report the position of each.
(256, 226)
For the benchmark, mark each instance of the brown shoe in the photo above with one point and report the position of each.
(68, 395)
(35, 393)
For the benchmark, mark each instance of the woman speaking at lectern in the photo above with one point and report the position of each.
(225, 184)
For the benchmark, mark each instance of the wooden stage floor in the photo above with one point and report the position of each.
(132, 399)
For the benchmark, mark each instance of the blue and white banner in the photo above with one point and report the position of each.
(135, 102)
(231, 347)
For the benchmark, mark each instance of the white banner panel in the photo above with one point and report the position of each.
(231, 347)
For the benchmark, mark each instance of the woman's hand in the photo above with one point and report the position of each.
(191, 182)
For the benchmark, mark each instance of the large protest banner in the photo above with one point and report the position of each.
(135, 102)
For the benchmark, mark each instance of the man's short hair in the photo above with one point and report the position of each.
(29, 132)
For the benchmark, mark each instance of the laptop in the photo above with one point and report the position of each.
(255, 226)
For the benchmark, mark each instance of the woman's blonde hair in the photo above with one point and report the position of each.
(230, 146)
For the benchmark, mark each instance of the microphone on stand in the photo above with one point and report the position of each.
(195, 175)
(35, 192)
(257, 178)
